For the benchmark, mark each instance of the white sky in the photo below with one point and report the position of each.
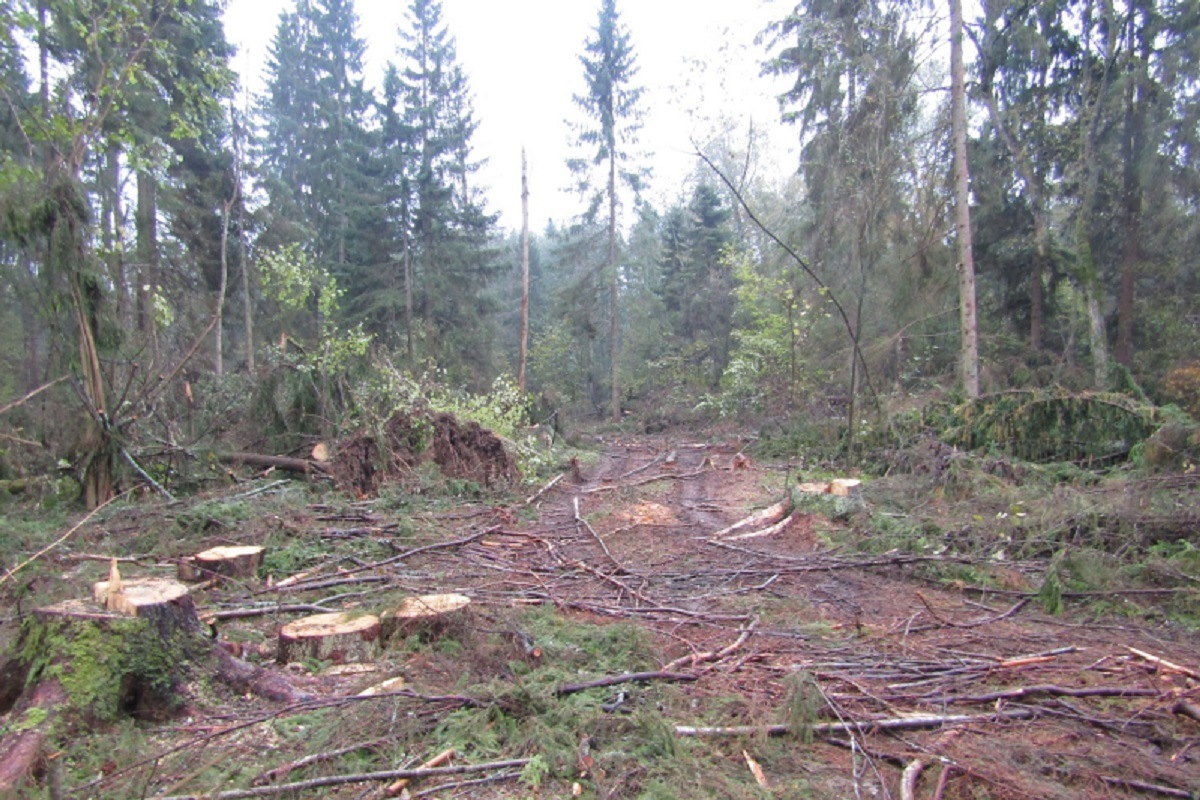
(697, 60)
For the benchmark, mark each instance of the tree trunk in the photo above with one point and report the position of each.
(614, 293)
(219, 311)
(969, 354)
(1132, 143)
(524, 348)
(147, 252)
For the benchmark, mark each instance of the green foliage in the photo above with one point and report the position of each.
(802, 703)
(1041, 426)
(1050, 593)
(300, 287)
(534, 773)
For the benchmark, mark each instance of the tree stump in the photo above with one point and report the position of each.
(167, 604)
(237, 562)
(336, 637)
(429, 614)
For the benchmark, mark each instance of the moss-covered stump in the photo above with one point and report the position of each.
(429, 614)
(336, 637)
(111, 662)
(236, 562)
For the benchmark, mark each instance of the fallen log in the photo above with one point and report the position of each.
(30, 724)
(286, 463)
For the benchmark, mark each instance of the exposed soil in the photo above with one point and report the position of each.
(1032, 705)
(464, 451)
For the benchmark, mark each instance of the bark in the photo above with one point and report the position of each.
(969, 354)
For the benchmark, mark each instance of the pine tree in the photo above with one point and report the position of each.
(611, 104)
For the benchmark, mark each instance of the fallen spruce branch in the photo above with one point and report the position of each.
(1167, 665)
(1047, 690)
(283, 770)
(759, 519)
(1142, 786)
(628, 677)
(440, 760)
(908, 723)
(697, 658)
(450, 787)
(533, 498)
(770, 530)
(908, 779)
(342, 780)
(976, 623)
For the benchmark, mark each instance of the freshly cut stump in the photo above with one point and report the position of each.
(239, 562)
(164, 602)
(429, 613)
(336, 637)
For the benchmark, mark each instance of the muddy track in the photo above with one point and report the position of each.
(1056, 707)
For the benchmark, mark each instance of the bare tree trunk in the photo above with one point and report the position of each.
(147, 251)
(524, 349)
(219, 311)
(1088, 274)
(408, 304)
(614, 292)
(247, 301)
(969, 354)
(1132, 143)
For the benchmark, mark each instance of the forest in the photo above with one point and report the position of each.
(968, 310)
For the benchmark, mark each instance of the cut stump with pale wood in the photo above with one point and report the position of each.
(237, 562)
(336, 637)
(428, 614)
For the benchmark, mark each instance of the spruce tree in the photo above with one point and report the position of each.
(316, 145)
(447, 231)
(611, 104)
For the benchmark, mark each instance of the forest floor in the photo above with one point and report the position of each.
(616, 647)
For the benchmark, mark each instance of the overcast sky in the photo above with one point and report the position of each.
(697, 61)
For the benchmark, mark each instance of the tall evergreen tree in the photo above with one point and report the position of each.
(611, 104)
(315, 142)
(446, 229)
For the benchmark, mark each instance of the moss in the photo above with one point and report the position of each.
(106, 669)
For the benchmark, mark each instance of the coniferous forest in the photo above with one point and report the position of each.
(978, 270)
(170, 247)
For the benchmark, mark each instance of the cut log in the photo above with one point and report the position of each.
(336, 637)
(428, 614)
(237, 562)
